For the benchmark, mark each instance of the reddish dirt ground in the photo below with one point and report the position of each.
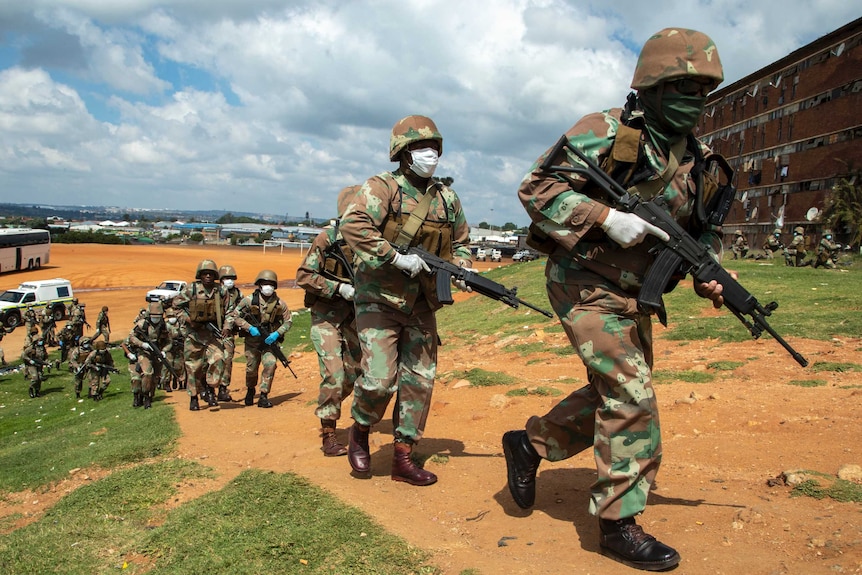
(722, 441)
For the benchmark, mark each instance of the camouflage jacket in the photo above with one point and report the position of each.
(582, 248)
(269, 315)
(326, 301)
(377, 281)
(197, 290)
(157, 334)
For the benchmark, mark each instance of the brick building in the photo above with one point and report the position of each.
(791, 130)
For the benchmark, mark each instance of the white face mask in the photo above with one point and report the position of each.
(172, 320)
(424, 162)
(267, 290)
(228, 283)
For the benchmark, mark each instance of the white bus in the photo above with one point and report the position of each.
(24, 249)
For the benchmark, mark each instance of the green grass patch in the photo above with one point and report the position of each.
(297, 338)
(689, 376)
(482, 378)
(828, 486)
(725, 365)
(807, 382)
(41, 439)
(835, 366)
(264, 522)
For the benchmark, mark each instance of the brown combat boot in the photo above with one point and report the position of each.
(403, 468)
(331, 446)
(358, 454)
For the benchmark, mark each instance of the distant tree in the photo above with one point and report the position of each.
(38, 223)
(446, 180)
(843, 209)
(483, 225)
(196, 237)
(509, 226)
(127, 218)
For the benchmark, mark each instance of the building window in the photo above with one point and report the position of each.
(790, 128)
(780, 122)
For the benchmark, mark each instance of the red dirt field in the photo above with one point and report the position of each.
(722, 441)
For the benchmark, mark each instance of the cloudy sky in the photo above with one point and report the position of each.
(273, 106)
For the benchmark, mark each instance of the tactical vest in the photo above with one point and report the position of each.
(203, 309)
(334, 268)
(435, 236)
(267, 316)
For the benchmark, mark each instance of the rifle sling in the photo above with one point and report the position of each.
(415, 220)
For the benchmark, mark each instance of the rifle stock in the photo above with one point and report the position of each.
(445, 271)
(681, 252)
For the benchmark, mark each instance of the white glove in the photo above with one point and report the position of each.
(346, 291)
(131, 356)
(628, 229)
(410, 263)
(146, 346)
(462, 285)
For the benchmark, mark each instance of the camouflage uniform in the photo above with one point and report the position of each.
(148, 338)
(98, 367)
(2, 355)
(740, 246)
(326, 280)
(395, 313)
(772, 244)
(77, 355)
(34, 357)
(264, 316)
(197, 307)
(593, 283)
(31, 319)
(233, 295)
(48, 327)
(827, 251)
(135, 377)
(174, 354)
(77, 318)
(796, 251)
(103, 325)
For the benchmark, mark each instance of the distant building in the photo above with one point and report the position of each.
(791, 130)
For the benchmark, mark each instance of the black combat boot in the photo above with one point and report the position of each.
(625, 541)
(404, 469)
(224, 393)
(147, 401)
(358, 453)
(210, 398)
(263, 400)
(522, 462)
(31, 392)
(249, 396)
(136, 399)
(193, 404)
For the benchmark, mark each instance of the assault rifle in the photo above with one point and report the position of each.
(160, 357)
(681, 253)
(215, 330)
(102, 368)
(275, 348)
(446, 272)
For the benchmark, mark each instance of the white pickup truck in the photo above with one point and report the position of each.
(166, 291)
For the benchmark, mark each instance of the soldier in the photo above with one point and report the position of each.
(35, 358)
(827, 251)
(227, 277)
(77, 318)
(2, 356)
(31, 319)
(78, 354)
(740, 246)
(326, 276)
(103, 325)
(201, 310)
(149, 340)
(66, 341)
(174, 354)
(594, 272)
(395, 297)
(773, 244)
(794, 256)
(46, 321)
(30, 335)
(135, 376)
(265, 318)
(98, 367)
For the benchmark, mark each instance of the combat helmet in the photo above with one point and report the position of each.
(676, 53)
(266, 275)
(104, 308)
(412, 129)
(776, 232)
(156, 308)
(737, 233)
(798, 230)
(206, 265)
(226, 272)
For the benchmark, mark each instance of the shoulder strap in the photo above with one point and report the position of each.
(649, 188)
(416, 218)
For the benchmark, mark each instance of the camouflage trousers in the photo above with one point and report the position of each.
(151, 373)
(204, 360)
(102, 331)
(174, 358)
(135, 376)
(259, 357)
(399, 356)
(98, 383)
(338, 356)
(616, 413)
(229, 346)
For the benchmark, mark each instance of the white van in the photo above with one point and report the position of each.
(481, 255)
(53, 294)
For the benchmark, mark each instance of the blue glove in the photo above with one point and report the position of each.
(253, 331)
(270, 339)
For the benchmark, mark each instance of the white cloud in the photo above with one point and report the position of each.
(275, 106)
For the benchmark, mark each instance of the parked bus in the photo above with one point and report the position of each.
(24, 249)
